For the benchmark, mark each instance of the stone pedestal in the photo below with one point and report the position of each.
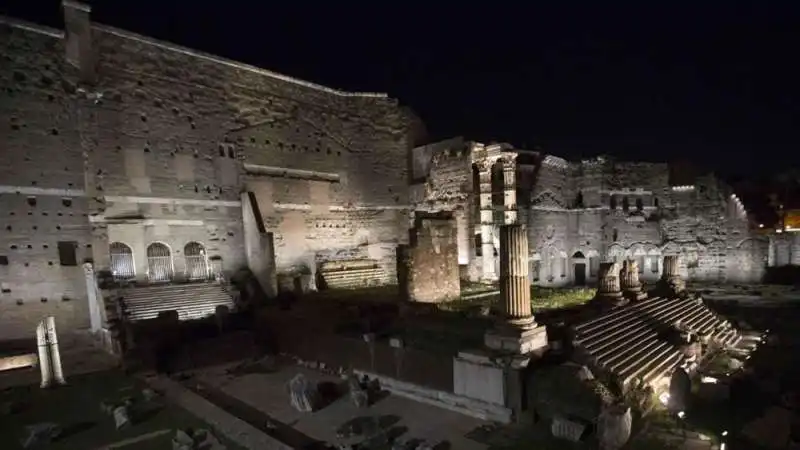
(517, 331)
(495, 374)
(631, 286)
(608, 289)
(671, 284)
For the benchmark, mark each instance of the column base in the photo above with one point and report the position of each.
(518, 340)
(492, 377)
(635, 295)
(671, 287)
(610, 298)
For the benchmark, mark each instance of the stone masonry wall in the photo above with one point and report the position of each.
(192, 122)
(42, 197)
(138, 141)
(581, 213)
(431, 261)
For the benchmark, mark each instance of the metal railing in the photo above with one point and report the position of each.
(122, 266)
(197, 267)
(159, 268)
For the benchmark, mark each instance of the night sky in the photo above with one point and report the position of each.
(715, 84)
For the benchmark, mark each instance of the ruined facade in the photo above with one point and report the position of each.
(133, 154)
(580, 214)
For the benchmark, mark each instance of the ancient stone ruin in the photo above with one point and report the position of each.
(642, 341)
(429, 264)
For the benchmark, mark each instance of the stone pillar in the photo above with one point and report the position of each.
(515, 287)
(631, 286)
(671, 284)
(509, 190)
(608, 289)
(487, 221)
(516, 332)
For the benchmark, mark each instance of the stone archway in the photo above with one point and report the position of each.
(579, 268)
(196, 261)
(159, 263)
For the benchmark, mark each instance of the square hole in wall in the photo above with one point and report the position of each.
(67, 254)
(3, 260)
(31, 201)
(67, 202)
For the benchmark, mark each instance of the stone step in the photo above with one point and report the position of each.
(635, 316)
(656, 368)
(186, 312)
(645, 328)
(167, 287)
(185, 296)
(620, 313)
(628, 341)
(191, 301)
(176, 303)
(637, 350)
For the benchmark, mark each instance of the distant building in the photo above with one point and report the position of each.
(581, 213)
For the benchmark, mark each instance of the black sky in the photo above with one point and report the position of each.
(709, 81)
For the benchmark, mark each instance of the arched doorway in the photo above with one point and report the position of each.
(159, 263)
(579, 266)
(196, 260)
(122, 265)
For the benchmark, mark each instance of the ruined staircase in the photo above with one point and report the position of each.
(352, 274)
(191, 301)
(630, 343)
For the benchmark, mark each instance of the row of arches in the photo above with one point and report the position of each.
(160, 265)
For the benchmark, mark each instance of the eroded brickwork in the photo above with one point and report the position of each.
(429, 268)
(109, 137)
(581, 213)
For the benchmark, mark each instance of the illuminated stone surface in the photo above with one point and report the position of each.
(109, 136)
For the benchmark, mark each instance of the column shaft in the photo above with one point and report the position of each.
(514, 283)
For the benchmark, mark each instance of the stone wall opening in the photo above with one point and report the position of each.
(579, 268)
(159, 263)
(123, 267)
(196, 261)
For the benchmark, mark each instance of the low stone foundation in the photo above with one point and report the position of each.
(447, 400)
(351, 274)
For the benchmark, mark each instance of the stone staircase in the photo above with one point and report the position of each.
(191, 300)
(352, 274)
(630, 342)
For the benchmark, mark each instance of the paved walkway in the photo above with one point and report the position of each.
(232, 427)
(79, 355)
(406, 419)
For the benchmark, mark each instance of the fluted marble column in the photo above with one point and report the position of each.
(608, 282)
(515, 287)
(631, 286)
(509, 190)
(670, 266)
(486, 220)
(671, 283)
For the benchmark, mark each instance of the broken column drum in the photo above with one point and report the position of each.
(515, 289)
(671, 282)
(631, 286)
(608, 275)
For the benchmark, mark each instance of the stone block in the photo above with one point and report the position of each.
(519, 341)
(476, 376)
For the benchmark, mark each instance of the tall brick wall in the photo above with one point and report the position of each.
(149, 143)
(42, 197)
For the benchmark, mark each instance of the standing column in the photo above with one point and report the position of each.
(515, 288)
(631, 286)
(608, 288)
(671, 284)
(487, 221)
(510, 190)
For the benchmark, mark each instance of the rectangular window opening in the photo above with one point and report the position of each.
(67, 253)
